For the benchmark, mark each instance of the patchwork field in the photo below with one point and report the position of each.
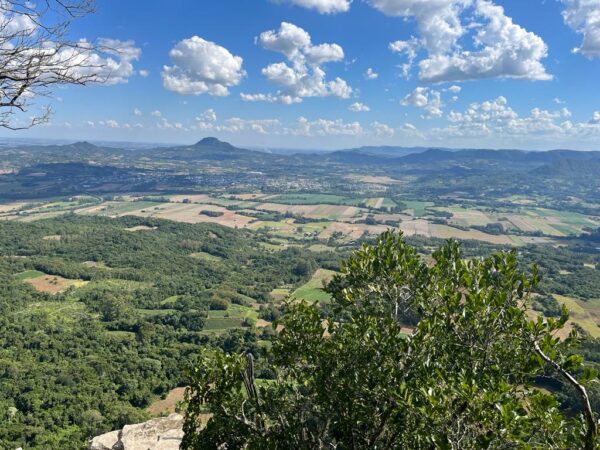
(329, 215)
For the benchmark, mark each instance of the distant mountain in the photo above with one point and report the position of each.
(496, 156)
(213, 143)
(570, 168)
(209, 149)
(389, 151)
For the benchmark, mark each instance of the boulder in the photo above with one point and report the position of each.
(164, 433)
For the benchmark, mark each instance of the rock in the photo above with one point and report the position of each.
(164, 433)
(105, 441)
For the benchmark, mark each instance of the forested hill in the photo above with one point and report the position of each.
(99, 317)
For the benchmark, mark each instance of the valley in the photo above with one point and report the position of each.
(127, 262)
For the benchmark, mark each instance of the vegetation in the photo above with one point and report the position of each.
(464, 378)
(115, 275)
(93, 357)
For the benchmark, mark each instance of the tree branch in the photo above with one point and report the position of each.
(592, 427)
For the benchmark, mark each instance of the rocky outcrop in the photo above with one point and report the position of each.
(164, 433)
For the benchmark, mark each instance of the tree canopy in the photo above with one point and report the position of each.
(356, 377)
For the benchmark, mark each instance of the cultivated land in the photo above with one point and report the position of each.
(329, 214)
(146, 257)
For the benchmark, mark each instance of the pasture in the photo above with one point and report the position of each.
(584, 313)
(312, 290)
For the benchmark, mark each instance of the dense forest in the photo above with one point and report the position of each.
(91, 358)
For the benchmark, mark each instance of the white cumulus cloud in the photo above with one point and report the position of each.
(303, 74)
(359, 107)
(583, 16)
(370, 74)
(202, 67)
(500, 48)
(427, 99)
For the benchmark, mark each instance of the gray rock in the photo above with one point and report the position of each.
(164, 433)
(105, 441)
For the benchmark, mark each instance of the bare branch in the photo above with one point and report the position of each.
(592, 427)
(36, 56)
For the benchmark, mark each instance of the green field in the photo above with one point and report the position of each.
(313, 289)
(313, 199)
(217, 323)
(28, 275)
(205, 256)
(418, 208)
(121, 208)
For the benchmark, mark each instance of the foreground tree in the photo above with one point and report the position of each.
(462, 378)
(36, 56)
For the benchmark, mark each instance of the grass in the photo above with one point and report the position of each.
(280, 293)
(418, 208)
(313, 289)
(321, 248)
(169, 300)
(312, 199)
(388, 203)
(205, 256)
(224, 323)
(29, 274)
(234, 312)
(57, 312)
(121, 208)
(585, 314)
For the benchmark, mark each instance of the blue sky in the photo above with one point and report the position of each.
(455, 73)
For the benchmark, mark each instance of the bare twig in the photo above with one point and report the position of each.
(592, 427)
(36, 56)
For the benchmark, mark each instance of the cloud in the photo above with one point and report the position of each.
(260, 126)
(359, 107)
(409, 49)
(144, 73)
(156, 113)
(427, 99)
(322, 6)
(495, 118)
(370, 74)
(302, 75)
(137, 112)
(500, 48)
(454, 89)
(202, 67)
(324, 127)
(208, 116)
(558, 101)
(270, 98)
(583, 16)
(595, 120)
(382, 130)
(108, 62)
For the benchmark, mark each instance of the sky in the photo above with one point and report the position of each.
(339, 73)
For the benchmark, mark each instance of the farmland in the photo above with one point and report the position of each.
(320, 216)
(123, 269)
